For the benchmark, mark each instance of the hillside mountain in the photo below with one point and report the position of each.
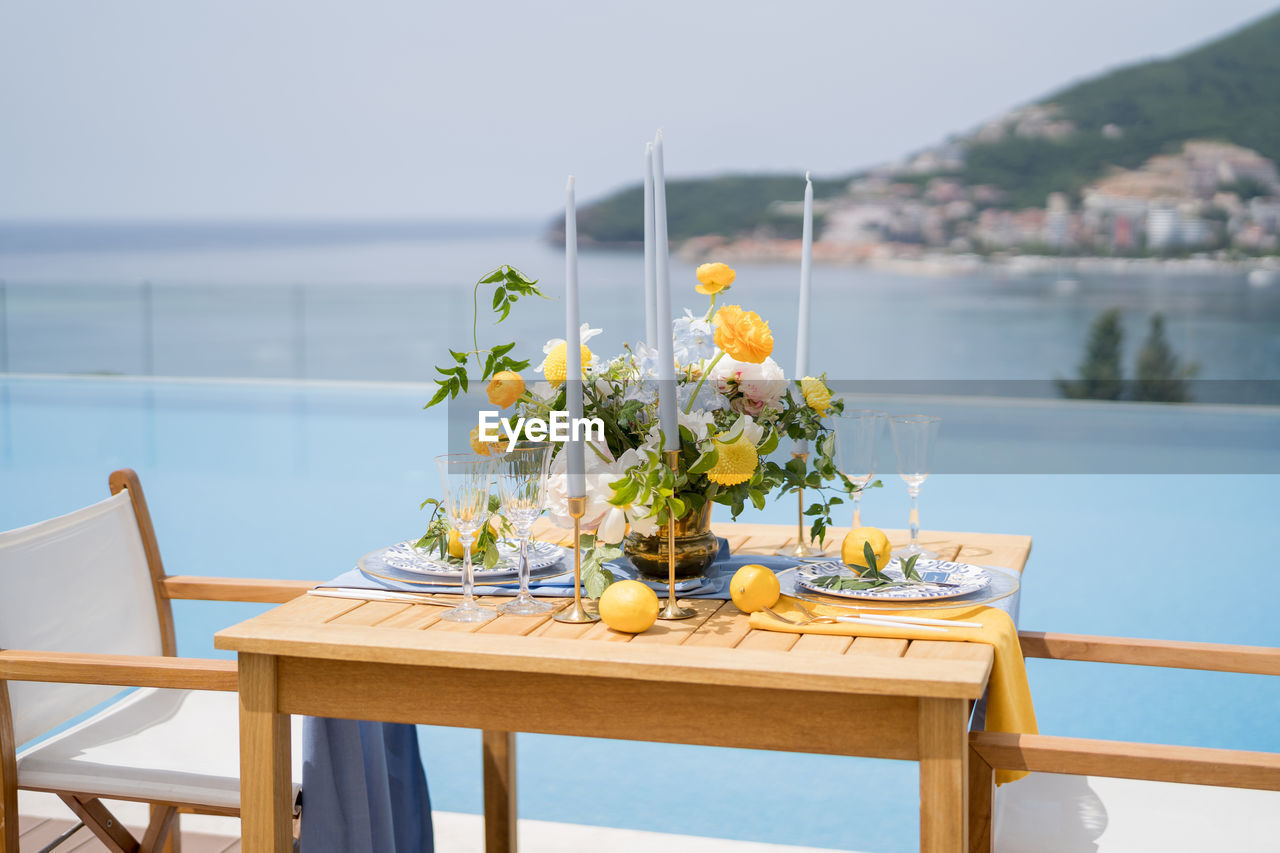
(1228, 89)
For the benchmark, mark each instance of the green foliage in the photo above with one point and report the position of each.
(1160, 376)
(1100, 374)
(872, 576)
(511, 285)
(726, 205)
(595, 577)
(437, 536)
(1219, 91)
(1246, 188)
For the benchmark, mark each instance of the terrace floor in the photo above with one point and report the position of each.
(43, 818)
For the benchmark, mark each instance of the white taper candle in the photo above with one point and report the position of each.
(806, 266)
(667, 403)
(575, 461)
(650, 254)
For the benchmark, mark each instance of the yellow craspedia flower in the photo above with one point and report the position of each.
(735, 463)
(744, 335)
(555, 369)
(713, 278)
(505, 388)
(485, 448)
(816, 394)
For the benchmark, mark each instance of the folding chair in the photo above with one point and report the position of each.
(84, 611)
(1079, 798)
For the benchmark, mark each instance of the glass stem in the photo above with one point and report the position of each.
(914, 520)
(468, 599)
(524, 565)
(857, 509)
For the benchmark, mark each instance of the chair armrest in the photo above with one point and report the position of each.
(1257, 660)
(235, 589)
(1227, 768)
(124, 670)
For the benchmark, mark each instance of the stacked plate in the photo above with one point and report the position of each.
(942, 584)
(404, 563)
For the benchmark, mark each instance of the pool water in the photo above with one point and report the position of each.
(298, 480)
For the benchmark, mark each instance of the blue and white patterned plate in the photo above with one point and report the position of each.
(405, 558)
(968, 579)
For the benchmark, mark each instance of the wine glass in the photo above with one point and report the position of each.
(857, 431)
(465, 480)
(913, 440)
(522, 484)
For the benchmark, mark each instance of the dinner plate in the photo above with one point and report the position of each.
(404, 557)
(383, 571)
(962, 579)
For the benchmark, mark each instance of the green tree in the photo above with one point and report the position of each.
(1160, 376)
(1100, 374)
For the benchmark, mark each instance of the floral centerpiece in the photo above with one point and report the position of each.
(736, 407)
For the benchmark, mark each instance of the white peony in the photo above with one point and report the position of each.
(761, 385)
(697, 422)
(599, 474)
(613, 527)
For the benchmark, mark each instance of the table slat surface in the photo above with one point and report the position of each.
(719, 624)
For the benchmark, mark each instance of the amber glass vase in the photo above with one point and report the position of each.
(696, 548)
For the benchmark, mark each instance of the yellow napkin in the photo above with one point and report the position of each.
(1009, 707)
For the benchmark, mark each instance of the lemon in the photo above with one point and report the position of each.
(754, 587)
(851, 551)
(455, 545)
(629, 606)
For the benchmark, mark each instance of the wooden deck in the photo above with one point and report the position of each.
(34, 833)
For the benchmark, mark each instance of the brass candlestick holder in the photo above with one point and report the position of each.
(803, 547)
(673, 610)
(578, 613)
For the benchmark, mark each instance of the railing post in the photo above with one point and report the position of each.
(4, 326)
(299, 332)
(148, 332)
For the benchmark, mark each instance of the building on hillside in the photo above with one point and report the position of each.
(1057, 222)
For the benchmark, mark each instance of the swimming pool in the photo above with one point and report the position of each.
(276, 479)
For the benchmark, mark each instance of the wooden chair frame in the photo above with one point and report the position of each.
(129, 671)
(1228, 768)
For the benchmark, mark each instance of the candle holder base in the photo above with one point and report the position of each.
(577, 614)
(800, 550)
(673, 611)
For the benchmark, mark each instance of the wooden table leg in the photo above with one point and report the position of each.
(944, 754)
(265, 775)
(981, 803)
(499, 791)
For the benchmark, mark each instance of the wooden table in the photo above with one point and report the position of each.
(710, 680)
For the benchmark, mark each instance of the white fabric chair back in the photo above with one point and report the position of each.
(77, 583)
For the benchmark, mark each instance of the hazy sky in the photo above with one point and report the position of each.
(302, 108)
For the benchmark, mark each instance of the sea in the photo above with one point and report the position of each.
(381, 301)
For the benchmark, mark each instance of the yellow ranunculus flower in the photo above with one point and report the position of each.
(744, 335)
(735, 462)
(505, 388)
(485, 448)
(816, 394)
(555, 369)
(713, 278)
